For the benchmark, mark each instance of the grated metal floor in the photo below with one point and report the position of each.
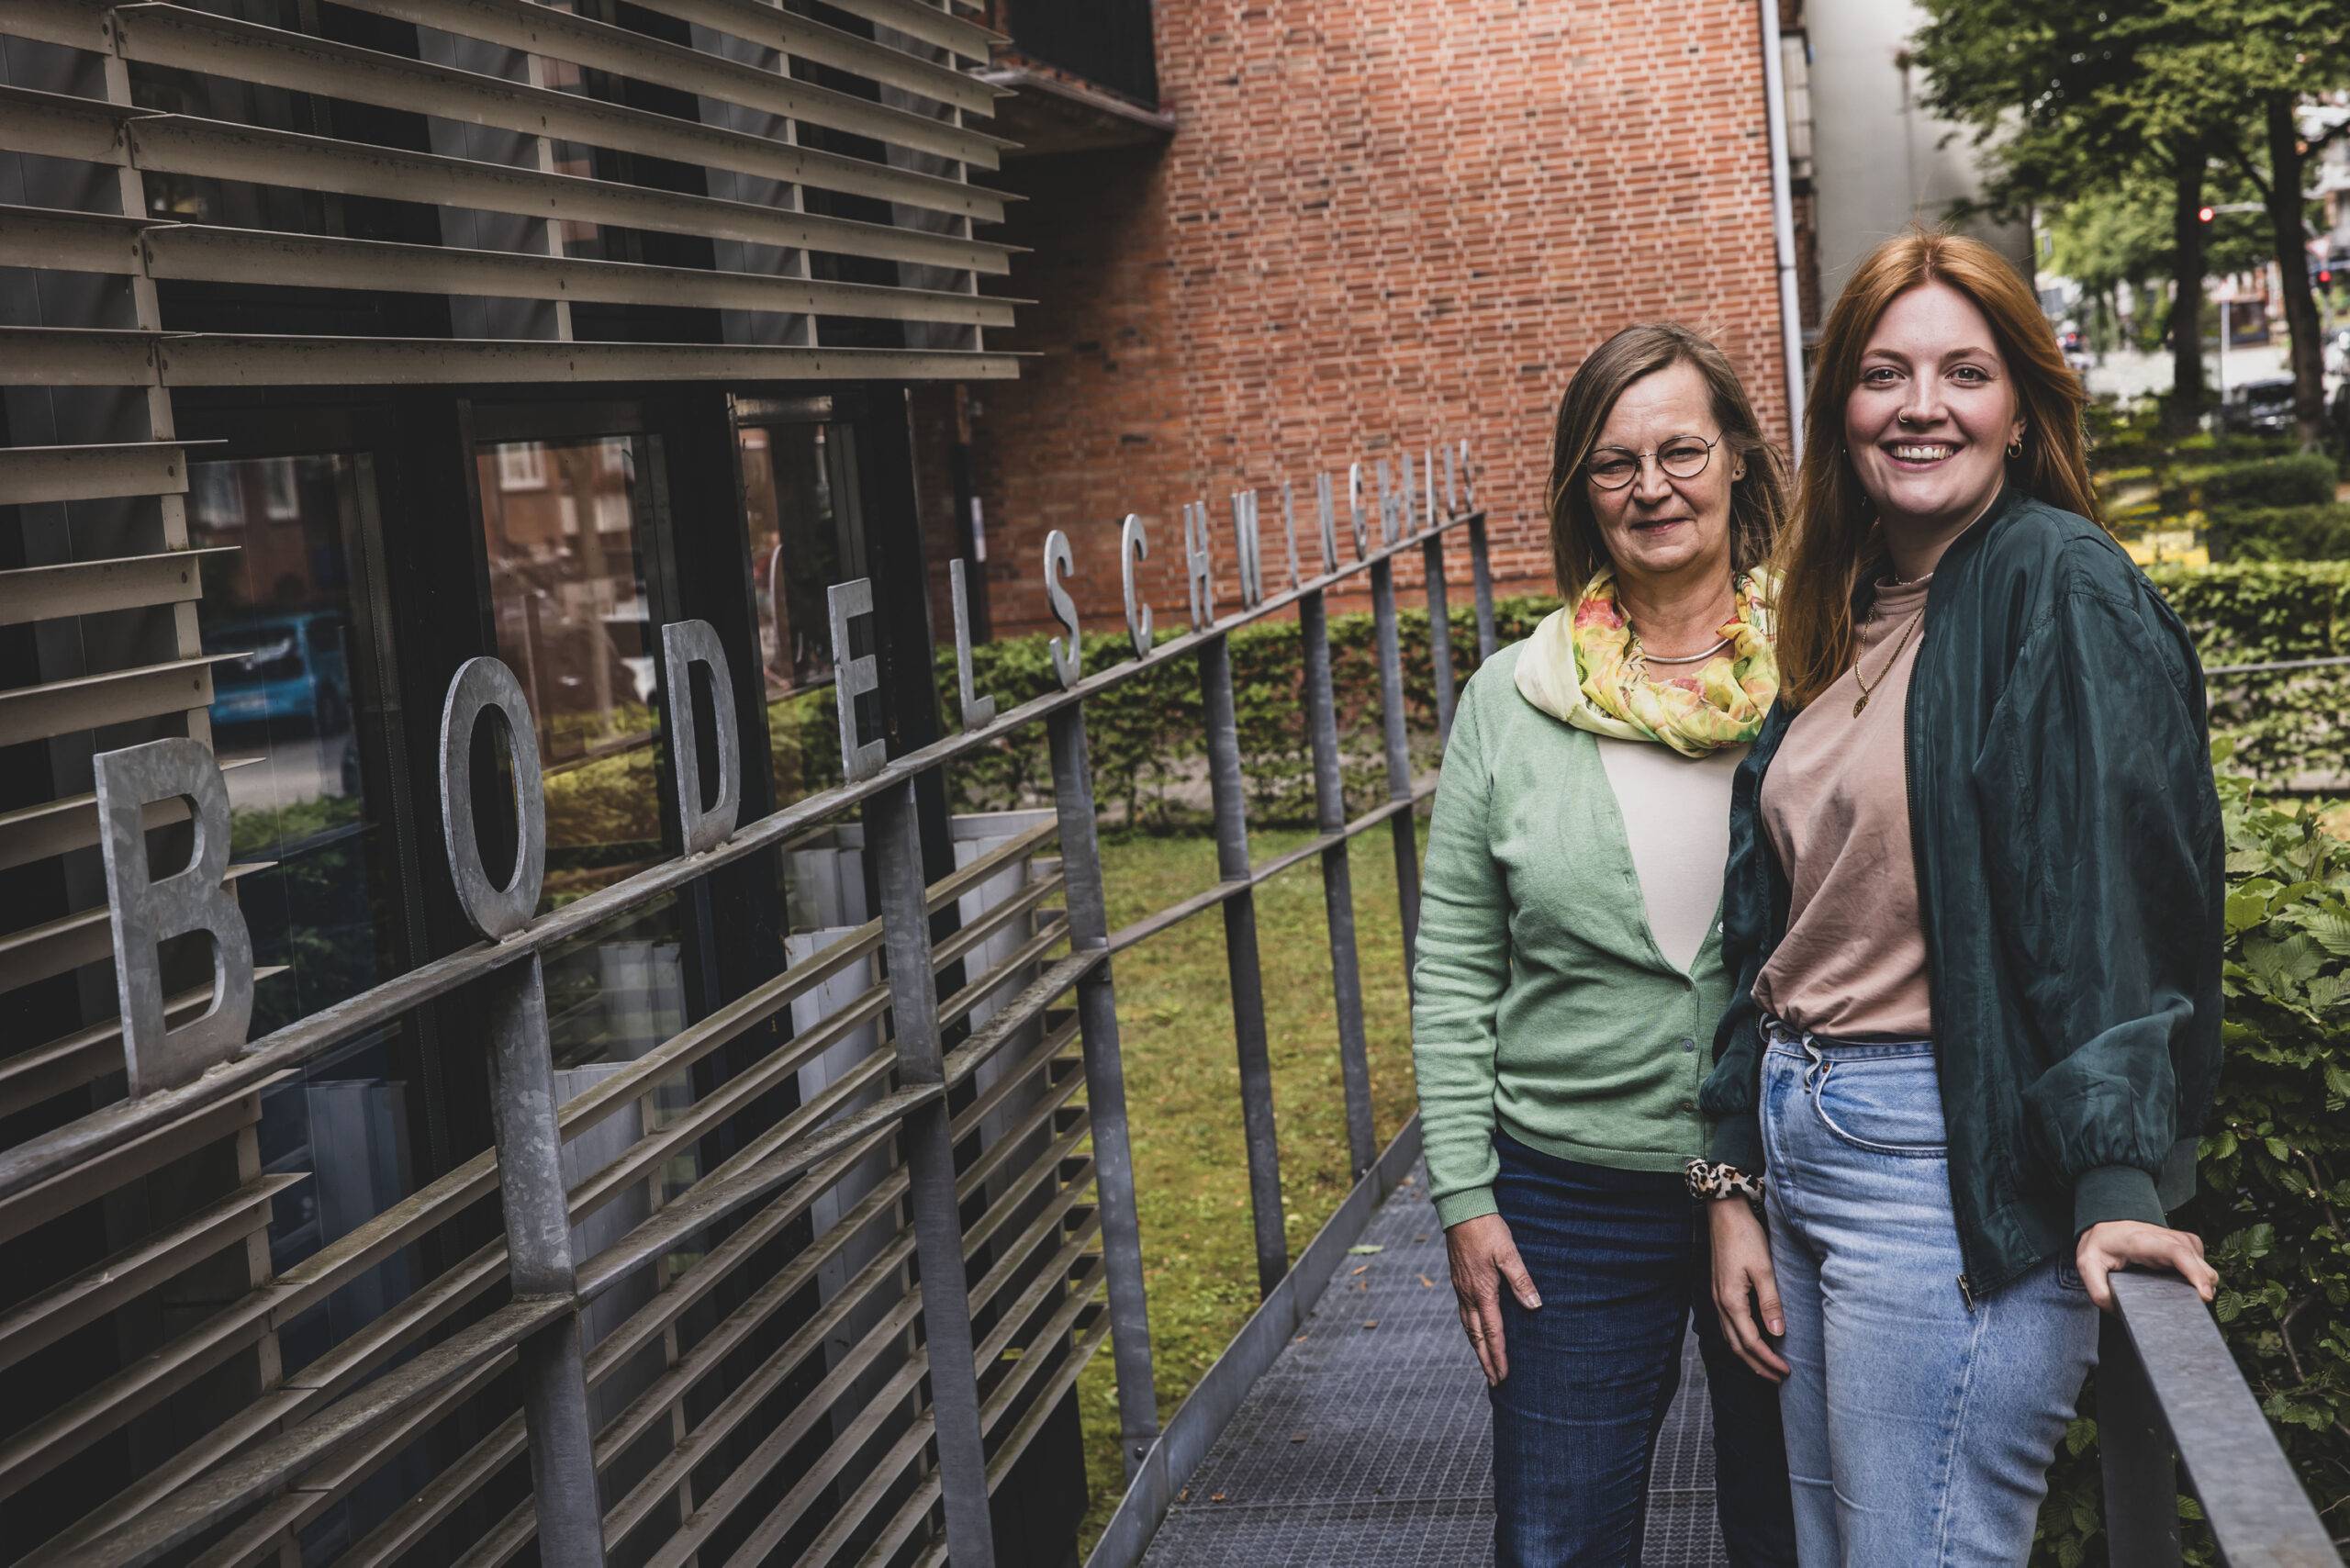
(1373, 1444)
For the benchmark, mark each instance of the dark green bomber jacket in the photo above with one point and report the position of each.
(2070, 876)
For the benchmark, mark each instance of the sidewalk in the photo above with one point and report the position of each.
(1368, 1441)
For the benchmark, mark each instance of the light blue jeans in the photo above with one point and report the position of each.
(1919, 1429)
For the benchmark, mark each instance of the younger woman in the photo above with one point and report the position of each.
(1973, 917)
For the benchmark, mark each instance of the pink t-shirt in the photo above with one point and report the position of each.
(1836, 808)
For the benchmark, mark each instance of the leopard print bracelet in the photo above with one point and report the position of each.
(1708, 1181)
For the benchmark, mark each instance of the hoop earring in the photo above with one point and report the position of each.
(2015, 447)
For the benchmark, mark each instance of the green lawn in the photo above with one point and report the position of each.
(1183, 1093)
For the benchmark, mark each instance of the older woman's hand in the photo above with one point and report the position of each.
(1483, 1257)
(1746, 1288)
(2117, 1243)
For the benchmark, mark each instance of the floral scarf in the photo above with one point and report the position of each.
(1584, 664)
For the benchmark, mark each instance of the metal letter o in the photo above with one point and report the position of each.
(495, 911)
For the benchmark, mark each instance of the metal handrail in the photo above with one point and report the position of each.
(2166, 1385)
(44, 1157)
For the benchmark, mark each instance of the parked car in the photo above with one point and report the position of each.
(291, 668)
(2260, 406)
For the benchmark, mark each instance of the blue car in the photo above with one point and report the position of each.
(291, 669)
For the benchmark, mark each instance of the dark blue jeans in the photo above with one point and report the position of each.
(1622, 1263)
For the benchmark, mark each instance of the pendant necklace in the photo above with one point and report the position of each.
(1861, 682)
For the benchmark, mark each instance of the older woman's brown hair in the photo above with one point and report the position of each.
(1757, 502)
(1834, 535)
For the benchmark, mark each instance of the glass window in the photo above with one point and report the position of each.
(801, 521)
(567, 569)
(567, 576)
(282, 722)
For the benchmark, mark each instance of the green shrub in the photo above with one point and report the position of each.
(2280, 533)
(2283, 724)
(2299, 479)
(2274, 1172)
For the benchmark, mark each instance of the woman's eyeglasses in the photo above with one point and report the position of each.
(1680, 456)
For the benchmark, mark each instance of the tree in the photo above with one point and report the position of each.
(2068, 98)
(2264, 57)
(2057, 98)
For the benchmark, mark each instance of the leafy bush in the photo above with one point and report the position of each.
(1145, 734)
(2286, 725)
(2274, 1172)
(2280, 533)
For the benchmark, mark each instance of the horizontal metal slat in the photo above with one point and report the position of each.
(71, 1060)
(92, 588)
(933, 24)
(61, 945)
(71, 356)
(40, 1321)
(69, 1191)
(203, 254)
(35, 474)
(74, 356)
(69, 241)
(599, 45)
(56, 125)
(180, 38)
(261, 1535)
(56, 827)
(271, 1462)
(223, 360)
(93, 702)
(183, 144)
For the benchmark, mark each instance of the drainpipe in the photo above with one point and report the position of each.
(1783, 222)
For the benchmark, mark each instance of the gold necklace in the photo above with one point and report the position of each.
(1862, 683)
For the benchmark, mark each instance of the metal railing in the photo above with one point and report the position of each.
(970, 1268)
(2168, 1394)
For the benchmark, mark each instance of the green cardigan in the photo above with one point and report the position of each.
(1541, 1003)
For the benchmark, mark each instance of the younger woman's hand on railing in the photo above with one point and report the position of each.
(2116, 1243)
(1746, 1288)
(1484, 1258)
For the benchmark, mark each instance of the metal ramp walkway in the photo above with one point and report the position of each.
(1369, 1438)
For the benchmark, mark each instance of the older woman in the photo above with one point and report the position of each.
(1975, 914)
(1569, 960)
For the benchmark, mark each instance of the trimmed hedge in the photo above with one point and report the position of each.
(2285, 725)
(2300, 479)
(2280, 533)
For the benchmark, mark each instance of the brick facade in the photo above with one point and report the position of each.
(1379, 224)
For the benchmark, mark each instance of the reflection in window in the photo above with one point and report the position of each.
(567, 576)
(282, 722)
(802, 535)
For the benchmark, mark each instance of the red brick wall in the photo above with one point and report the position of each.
(1379, 224)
